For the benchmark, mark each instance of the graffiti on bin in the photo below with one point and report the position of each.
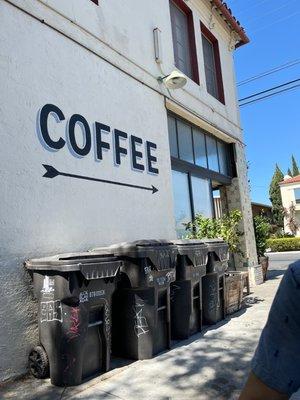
(86, 296)
(147, 270)
(73, 331)
(107, 320)
(169, 277)
(212, 295)
(51, 311)
(48, 288)
(70, 362)
(141, 326)
(174, 288)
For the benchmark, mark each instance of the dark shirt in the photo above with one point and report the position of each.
(277, 358)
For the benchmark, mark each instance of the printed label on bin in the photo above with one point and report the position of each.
(51, 311)
(86, 296)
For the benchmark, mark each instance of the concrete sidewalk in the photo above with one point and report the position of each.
(210, 365)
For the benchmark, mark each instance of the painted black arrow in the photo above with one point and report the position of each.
(52, 172)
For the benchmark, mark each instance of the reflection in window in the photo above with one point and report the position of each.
(222, 150)
(210, 67)
(181, 42)
(182, 204)
(172, 136)
(199, 148)
(185, 141)
(297, 195)
(212, 153)
(202, 196)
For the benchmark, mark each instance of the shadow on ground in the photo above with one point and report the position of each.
(210, 365)
(275, 273)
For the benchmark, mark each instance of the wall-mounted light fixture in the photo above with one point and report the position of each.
(176, 80)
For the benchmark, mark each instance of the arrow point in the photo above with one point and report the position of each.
(154, 189)
(51, 172)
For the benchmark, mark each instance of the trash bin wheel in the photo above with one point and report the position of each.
(38, 362)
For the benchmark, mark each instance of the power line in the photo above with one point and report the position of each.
(275, 22)
(269, 90)
(269, 72)
(269, 95)
(272, 11)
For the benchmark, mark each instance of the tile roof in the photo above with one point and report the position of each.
(295, 179)
(226, 13)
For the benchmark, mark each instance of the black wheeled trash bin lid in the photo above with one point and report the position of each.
(92, 266)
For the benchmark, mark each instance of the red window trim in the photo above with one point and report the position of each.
(207, 33)
(194, 62)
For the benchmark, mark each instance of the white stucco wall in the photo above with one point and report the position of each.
(40, 216)
(288, 198)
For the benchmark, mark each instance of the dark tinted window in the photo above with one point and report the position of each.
(173, 137)
(212, 154)
(210, 67)
(184, 132)
(180, 32)
(223, 158)
(200, 148)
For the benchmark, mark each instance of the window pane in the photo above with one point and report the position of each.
(210, 67)
(181, 43)
(212, 154)
(172, 136)
(202, 196)
(182, 204)
(223, 158)
(199, 148)
(297, 195)
(185, 141)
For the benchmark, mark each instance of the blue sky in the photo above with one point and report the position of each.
(271, 126)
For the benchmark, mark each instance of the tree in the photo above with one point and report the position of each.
(291, 219)
(295, 167)
(275, 197)
(289, 172)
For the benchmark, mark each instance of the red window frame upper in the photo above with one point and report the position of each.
(207, 33)
(191, 33)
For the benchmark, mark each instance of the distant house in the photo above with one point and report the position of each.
(261, 209)
(290, 194)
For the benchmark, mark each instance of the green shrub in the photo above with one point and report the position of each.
(284, 244)
(262, 229)
(226, 227)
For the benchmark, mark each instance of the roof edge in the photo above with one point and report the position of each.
(232, 21)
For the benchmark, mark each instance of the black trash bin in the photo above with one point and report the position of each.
(141, 305)
(213, 296)
(186, 291)
(74, 293)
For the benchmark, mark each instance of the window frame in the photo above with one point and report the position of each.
(181, 5)
(297, 200)
(202, 171)
(190, 174)
(217, 61)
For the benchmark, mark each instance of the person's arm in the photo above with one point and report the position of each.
(255, 389)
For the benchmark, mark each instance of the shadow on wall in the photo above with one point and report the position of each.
(195, 368)
(18, 316)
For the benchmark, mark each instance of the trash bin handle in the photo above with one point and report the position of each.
(102, 264)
